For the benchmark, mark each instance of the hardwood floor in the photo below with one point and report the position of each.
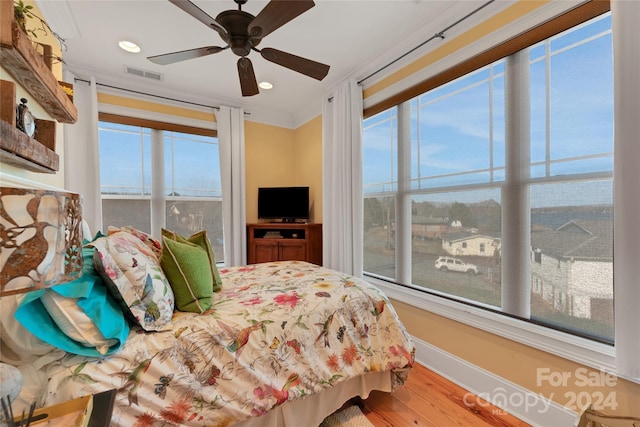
(429, 400)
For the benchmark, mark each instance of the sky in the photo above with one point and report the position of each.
(192, 164)
(458, 131)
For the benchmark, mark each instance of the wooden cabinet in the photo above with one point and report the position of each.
(284, 242)
(266, 250)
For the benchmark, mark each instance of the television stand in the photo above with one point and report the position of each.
(284, 241)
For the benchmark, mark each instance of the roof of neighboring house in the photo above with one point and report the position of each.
(460, 236)
(581, 239)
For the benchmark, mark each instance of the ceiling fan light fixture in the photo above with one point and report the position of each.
(242, 32)
(129, 46)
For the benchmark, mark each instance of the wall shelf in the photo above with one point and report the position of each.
(30, 70)
(21, 60)
(17, 149)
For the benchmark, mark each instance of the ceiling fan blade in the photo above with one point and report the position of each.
(248, 82)
(183, 55)
(275, 14)
(201, 16)
(305, 66)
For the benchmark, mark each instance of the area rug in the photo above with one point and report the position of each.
(350, 416)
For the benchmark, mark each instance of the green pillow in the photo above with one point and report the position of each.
(187, 268)
(200, 238)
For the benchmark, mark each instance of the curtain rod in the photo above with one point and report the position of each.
(153, 95)
(439, 35)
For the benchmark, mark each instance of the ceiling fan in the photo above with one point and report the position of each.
(242, 32)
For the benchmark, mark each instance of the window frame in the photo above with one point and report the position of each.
(157, 128)
(587, 351)
(465, 65)
(155, 124)
(582, 350)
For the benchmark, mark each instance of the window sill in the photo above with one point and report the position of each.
(580, 350)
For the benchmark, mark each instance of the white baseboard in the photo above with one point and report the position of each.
(530, 407)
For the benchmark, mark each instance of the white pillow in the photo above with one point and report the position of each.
(17, 344)
(73, 321)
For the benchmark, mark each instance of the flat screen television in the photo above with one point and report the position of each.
(287, 204)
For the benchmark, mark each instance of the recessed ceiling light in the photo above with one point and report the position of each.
(129, 46)
(265, 85)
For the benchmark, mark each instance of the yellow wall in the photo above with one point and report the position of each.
(308, 163)
(172, 110)
(510, 14)
(269, 160)
(276, 156)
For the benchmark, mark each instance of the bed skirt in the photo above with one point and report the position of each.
(316, 408)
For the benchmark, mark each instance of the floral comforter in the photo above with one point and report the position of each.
(277, 332)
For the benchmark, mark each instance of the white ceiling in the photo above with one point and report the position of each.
(354, 37)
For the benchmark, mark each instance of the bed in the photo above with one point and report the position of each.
(279, 343)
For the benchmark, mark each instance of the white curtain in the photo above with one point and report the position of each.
(626, 52)
(231, 142)
(342, 179)
(81, 152)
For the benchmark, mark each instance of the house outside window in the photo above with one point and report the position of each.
(153, 178)
(452, 154)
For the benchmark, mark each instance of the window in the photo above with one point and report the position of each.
(161, 178)
(531, 211)
(537, 256)
(125, 180)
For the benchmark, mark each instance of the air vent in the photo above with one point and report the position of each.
(143, 73)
